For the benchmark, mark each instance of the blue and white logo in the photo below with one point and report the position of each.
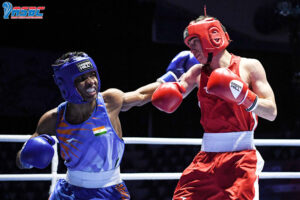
(7, 6)
(22, 12)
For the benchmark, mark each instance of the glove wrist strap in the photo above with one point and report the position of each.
(168, 77)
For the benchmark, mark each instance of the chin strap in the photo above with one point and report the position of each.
(206, 66)
(209, 58)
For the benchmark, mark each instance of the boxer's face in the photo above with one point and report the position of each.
(196, 49)
(87, 86)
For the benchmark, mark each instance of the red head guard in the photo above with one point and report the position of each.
(212, 37)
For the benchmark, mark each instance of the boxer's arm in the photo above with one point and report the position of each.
(266, 107)
(191, 78)
(168, 96)
(46, 125)
(117, 100)
(139, 97)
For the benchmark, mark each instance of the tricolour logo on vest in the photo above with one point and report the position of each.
(99, 130)
(235, 88)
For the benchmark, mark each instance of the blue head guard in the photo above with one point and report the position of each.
(66, 71)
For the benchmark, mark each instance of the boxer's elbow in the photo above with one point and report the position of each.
(273, 115)
(266, 109)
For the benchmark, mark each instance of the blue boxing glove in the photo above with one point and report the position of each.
(37, 152)
(182, 62)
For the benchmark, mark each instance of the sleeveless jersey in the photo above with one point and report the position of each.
(220, 116)
(92, 146)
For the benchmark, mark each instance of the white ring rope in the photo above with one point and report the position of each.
(144, 176)
(138, 176)
(168, 141)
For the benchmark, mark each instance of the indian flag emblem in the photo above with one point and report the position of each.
(99, 130)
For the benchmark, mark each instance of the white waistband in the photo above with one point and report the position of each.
(94, 180)
(228, 142)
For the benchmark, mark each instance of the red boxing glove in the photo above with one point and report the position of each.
(168, 96)
(228, 86)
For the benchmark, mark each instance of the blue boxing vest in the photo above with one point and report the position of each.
(92, 146)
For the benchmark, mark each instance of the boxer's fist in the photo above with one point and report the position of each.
(182, 62)
(37, 152)
(168, 96)
(228, 86)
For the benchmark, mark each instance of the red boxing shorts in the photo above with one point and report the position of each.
(221, 176)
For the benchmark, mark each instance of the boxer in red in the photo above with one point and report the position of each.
(232, 93)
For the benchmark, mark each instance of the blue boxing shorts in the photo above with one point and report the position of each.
(65, 191)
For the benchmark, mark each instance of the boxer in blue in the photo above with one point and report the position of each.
(88, 129)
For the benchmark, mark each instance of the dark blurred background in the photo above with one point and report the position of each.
(132, 43)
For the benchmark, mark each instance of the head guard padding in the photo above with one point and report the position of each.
(210, 32)
(66, 71)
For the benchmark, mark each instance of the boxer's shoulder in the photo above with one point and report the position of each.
(113, 98)
(112, 95)
(249, 64)
(47, 122)
(250, 68)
